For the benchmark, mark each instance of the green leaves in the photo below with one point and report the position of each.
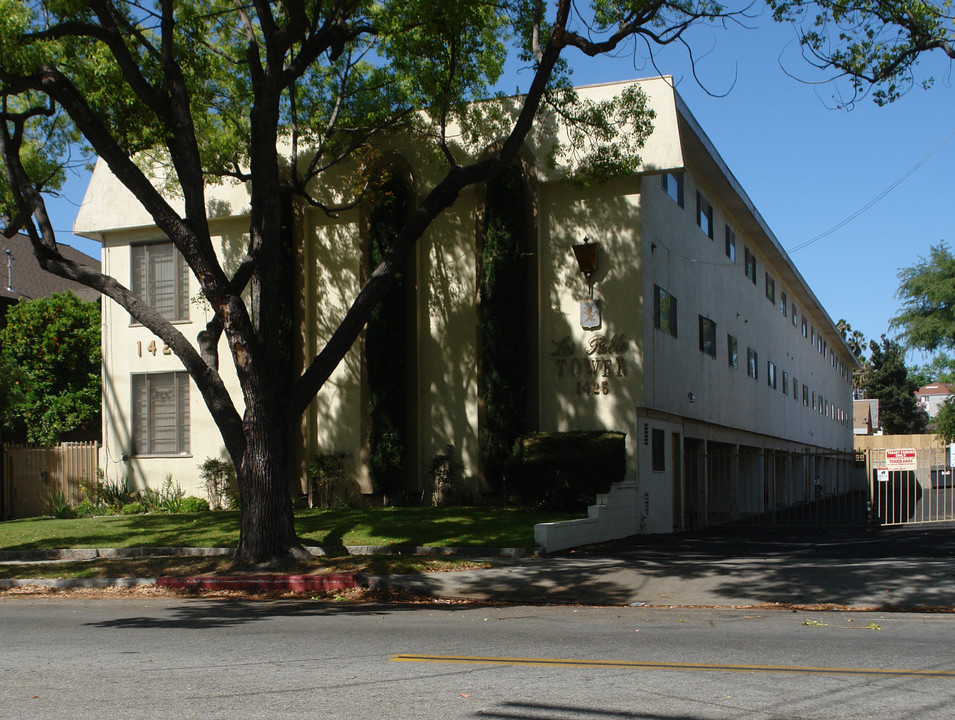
(54, 345)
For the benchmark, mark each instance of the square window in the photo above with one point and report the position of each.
(752, 363)
(160, 413)
(664, 311)
(704, 215)
(673, 186)
(770, 289)
(730, 244)
(750, 261)
(707, 336)
(731, 352)
(160, 276)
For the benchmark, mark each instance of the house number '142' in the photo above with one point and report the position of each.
(152, 348)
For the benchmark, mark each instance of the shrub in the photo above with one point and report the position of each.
(447, 474)
(88, 509)
(58, 505)
(191, 504)
(564, 471)
(167, 499)
(133, 508)
(219, 477)
(325, 473)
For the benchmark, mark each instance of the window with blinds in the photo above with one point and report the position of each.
(161, 413)
(160, 276)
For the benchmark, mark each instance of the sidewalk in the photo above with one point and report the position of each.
(890, 568)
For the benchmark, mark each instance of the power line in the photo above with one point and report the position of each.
(874, 200)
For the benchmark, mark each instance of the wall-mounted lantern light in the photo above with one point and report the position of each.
(586, 254)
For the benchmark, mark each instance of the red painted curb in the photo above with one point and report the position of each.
(289, 583)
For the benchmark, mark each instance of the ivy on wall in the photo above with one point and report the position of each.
(386, 336)
(503, 286)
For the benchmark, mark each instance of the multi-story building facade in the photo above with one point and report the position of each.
(699, 338)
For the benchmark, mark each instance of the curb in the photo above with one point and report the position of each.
(329, 550)
(287, 583)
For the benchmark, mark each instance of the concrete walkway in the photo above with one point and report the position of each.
(889, 568)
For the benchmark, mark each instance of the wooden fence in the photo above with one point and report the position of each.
(31, 473)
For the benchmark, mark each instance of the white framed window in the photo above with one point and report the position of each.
(160, 276)
(160, 413)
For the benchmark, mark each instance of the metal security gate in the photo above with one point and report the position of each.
(744, 486)
(925, 494)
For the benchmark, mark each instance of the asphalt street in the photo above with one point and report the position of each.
(163, 658)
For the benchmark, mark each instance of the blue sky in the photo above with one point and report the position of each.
(806, 167)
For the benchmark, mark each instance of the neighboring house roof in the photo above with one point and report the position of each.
(865, 416)
(22, 277)
(936, 389)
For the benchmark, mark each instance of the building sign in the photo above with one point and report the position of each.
(593, 366)
(900, 459)
(882, 474)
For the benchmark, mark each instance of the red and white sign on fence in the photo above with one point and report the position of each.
(900, 459)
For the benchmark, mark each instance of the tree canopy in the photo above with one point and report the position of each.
(53, 346)
(888, 382)
(927, 292)
(292, 99)
(875, 44)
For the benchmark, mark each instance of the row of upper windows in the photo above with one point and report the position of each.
(673, 185)
(665, 319)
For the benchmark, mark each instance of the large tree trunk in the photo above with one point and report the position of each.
(267, 524)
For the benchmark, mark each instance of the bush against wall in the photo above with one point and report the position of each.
(565, 471)
(503, 312)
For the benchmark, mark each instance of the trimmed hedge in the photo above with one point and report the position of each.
(564, 471)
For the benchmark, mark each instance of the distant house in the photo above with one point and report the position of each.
(865, 417)
(931, 397)
(21, 276)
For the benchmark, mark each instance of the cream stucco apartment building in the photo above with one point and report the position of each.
(710, 352)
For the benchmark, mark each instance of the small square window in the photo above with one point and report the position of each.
(704, 215)
(730, 244)
(673, 186)
(731, 352)
(707, 336)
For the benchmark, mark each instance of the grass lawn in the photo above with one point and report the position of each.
(437, 527)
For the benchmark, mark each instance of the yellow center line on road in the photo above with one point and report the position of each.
(719, 667)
